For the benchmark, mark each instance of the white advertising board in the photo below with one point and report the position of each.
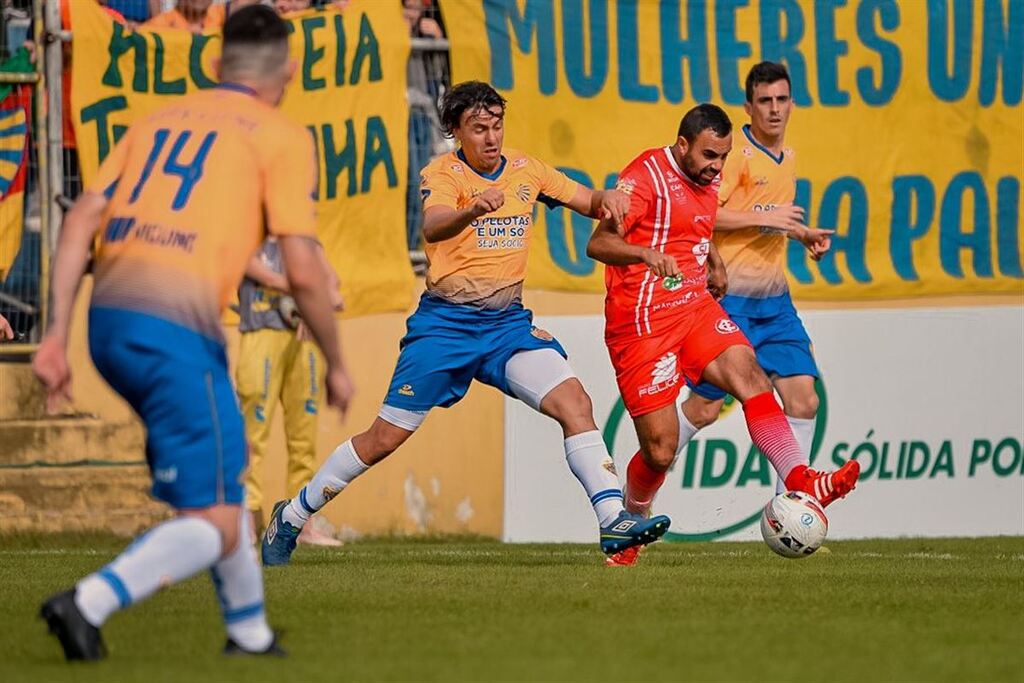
(930, 401)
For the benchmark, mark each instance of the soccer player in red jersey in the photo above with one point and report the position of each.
(663, 322)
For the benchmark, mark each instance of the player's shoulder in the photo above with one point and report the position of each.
(448, 164)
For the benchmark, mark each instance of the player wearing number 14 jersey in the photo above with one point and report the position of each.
(180, 205)
(663, 324)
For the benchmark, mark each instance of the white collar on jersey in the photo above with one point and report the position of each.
(672, 160)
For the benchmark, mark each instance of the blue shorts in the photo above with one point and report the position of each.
(448, 345)
(780, 341)
(177, 381)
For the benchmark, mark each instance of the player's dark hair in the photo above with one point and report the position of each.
(467, 96)
(703, 117)
(253, 30)
(766, 72)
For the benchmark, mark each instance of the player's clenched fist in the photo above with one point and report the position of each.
(487, 201)
(662, 265)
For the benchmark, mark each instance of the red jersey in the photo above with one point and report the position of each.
(672, 214)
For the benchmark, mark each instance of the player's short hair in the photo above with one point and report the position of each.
(255, 42)
(467, 96)
(703, 117)
(766, 72)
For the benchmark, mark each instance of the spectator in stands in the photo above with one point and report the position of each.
(5, 329)
(190, 15)
(134, 11)
(425, 139)
(278, 362)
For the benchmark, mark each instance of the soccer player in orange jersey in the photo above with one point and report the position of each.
(471, 324)
(663, 322)
(756, 217)
(180, 205)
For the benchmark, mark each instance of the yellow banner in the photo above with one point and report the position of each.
(348, 90)
(909, 128)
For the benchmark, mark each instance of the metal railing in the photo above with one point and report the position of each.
(24, 282)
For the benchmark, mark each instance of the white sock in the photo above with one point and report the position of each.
(589, 461)
(686, 430)
(239, 584)
(803, 431)
(164, 555)
(337, 472)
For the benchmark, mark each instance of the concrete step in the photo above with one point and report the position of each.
(126, 523)
(69, 440)
(21, 395)
(80, 490)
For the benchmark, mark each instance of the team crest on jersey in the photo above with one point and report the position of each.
(726, 326)
(701, 251)
(457, 168)
(406, 390)
(541, 334)
(523, 193)
(748, 151)
(519, 163)
(761, 180)
(625, 185)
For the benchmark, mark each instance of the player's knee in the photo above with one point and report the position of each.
(660, 452)
(701, 412)
(570, 405)
(803, 406)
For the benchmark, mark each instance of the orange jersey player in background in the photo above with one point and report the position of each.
(180, 205)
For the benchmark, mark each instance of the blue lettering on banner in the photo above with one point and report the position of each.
(887, 13)
(778, 48)
(909, 193)
(575, 41)
(830, 49)
(536, 21)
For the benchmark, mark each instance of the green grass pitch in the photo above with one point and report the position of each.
(462, 610)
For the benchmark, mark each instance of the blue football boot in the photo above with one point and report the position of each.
(629, 530)
(279, 539)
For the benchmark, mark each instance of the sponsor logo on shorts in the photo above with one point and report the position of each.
(726, 326)
(665, 375)
(406, 390)
(541, 334)
(701, 250)
(168, 475)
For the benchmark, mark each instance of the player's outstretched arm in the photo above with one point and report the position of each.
(308, 280)
(608, 246)
(788, 218)
(443, 222)
(50, 364)
(600, 204)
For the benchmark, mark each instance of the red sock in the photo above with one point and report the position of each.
(771, 432)
(642, 483)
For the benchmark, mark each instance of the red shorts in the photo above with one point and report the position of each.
(650, 369)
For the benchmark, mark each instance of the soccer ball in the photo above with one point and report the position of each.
(793, 524)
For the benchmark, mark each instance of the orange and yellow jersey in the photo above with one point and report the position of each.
(754, 179)
(192, 190)
(484, 265)
(212, 20)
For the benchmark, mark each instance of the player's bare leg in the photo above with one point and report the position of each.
(342, 467)
(736, 371)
